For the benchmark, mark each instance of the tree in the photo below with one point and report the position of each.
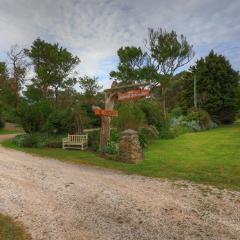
(7, 95)
(3, 76)
(18, 68)
(89, 85)
(217, 88)
(167, 53)
(132, 67)
(53, 65)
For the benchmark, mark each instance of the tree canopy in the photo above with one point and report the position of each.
(53, 66)
(217, 87)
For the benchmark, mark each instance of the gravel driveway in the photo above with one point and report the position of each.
(62, 201)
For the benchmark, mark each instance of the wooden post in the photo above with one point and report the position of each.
(110, 97)
(106, 122)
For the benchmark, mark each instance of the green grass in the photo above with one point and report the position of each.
(211, 157)
(3, 131)
(10, 230)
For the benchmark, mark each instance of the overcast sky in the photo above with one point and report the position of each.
(95, 29)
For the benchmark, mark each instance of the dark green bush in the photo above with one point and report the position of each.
(2, 122)
(38, 140)
(166, 133)
(130, 116)
(180, 129)
(60, 122)
(10, 114)
(32, 117)
(115, 135)
(201, 116)
(153, 113)
(147, 134)
(93, 140)
(111, 148)
(176, 112)
(26, 140)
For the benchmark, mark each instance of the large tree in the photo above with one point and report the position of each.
(165, 53)
(90, 86)
(18, 68)
(217, 87)
(133, 66)
(54, 66)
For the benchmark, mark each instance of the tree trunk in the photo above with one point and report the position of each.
(15, 79)
(106, 123)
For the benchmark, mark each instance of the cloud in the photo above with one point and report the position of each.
(94, 29)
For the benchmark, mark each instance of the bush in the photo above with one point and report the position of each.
(199, 115)
(130, 116)
(32, 117)
(93, 140)
(2, 122)
(111, 148)
(26, 140)
(176, 112)
(38, 140)
(153, 113)
(180, 129)
(166, 133)
(10, 114)
(147, 134)
(60, 122)
(197, 120)
(115, 135)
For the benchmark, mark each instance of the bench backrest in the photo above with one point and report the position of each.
(77, 138)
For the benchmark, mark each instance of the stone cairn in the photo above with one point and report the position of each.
(130, 150)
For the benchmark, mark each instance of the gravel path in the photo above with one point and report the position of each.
(62, 201)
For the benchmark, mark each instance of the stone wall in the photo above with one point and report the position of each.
(130, 150)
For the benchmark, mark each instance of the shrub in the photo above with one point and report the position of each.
(10, 114)
(2, 122)
(130, 116)
(38, 140)
(93, 140)
(115, 135)
(166, 133)
(60, 122)
(153, 113)
(147, 134)
(176, 112)
(111, 148)
(32, 117)
(180, 129)
(196, 120)
(200, 116)
(26, 140)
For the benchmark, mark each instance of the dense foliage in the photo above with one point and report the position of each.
(130, 116)
(217, 88)
(38, 140)
(48, 105)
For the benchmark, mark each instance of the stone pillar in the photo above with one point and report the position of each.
(130, 150)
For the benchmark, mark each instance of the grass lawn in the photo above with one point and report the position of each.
(211, 157)
(10, 230)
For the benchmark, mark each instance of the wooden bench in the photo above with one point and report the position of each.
(75, 142)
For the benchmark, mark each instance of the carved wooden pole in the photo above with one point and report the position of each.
(110, 97)
(106, 121)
